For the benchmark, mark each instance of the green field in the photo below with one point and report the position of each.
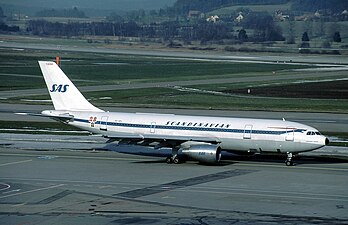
(177, 99)
(19, 70)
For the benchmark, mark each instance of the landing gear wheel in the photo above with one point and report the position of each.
(169, 160)
(176, 160)
(289, 163)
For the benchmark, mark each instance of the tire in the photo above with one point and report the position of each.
(289, 163)
(169, 160)
(176, 160)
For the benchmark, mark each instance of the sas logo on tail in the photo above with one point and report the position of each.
(59, 88)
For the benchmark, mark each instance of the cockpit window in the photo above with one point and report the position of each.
(317, 133)
(312, 133)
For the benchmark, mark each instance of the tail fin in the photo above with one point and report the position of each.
(64, 94)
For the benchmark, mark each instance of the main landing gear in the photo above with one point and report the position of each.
(175, 157)
(289, 160)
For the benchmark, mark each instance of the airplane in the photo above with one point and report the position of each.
(200, 138)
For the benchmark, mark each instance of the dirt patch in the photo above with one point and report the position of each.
(321, 90)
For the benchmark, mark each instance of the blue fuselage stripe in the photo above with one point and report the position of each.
(166, 127)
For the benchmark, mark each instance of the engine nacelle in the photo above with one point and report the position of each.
(209, 154)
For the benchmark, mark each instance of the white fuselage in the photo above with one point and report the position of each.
(232, 134)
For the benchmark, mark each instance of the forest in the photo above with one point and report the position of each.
(175, 22)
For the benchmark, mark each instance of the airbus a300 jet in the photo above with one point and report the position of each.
(197, 137)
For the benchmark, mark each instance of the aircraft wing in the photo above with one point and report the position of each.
(159, 141)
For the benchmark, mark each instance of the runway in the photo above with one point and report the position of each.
(101, 187)
(216, 55)
(54, 179)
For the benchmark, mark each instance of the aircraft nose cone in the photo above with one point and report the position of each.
(327, 141)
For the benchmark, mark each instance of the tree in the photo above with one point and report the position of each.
(242, 35)
(264, 27)
(305, 37)
(337, 37)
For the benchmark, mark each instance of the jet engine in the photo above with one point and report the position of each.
(209, 154)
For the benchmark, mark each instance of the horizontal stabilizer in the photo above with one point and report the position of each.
(62, 117)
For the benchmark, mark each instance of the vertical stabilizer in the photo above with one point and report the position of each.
(64, 94)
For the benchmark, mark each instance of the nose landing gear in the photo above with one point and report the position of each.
(289, 160)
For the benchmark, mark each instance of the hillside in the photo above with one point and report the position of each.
(257, 8)
(184, 6)
(225, 6)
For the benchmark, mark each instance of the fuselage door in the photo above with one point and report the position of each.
(152, 127)
(290, 134)
(104, 123)
(247, 131)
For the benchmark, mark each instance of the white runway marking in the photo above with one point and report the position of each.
(7, 192)
(18, 162)
(35, 190)
(7, 186)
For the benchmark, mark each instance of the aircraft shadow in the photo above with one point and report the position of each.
(228, 158)
(281, 159)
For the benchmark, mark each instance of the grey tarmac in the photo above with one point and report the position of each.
(101, 187)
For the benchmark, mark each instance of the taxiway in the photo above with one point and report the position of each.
(101, 187)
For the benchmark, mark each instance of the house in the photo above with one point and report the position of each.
(280, 17)
(213, 19)
(239, 18)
